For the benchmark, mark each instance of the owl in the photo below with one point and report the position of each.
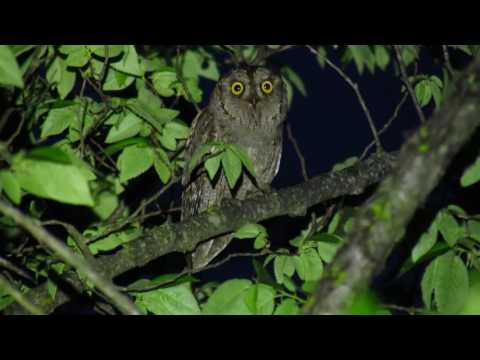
(247, 107)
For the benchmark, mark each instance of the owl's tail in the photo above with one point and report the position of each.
(207, 251)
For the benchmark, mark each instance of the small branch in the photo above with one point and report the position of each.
(6, 115)
(360, 98)
(301, 158)
(446, 56)
(136, 214)
(45, 238)
(387, 125)
(15, 269)
(76, 236)
(19, 297)
(403, 73)
(17, 131)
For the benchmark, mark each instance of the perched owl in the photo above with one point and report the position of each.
(247, 108)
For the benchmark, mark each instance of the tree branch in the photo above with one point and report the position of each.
(184, 236)
(67, 255)
(403, 73)
(381, 223)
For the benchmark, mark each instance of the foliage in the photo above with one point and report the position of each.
(90, 122)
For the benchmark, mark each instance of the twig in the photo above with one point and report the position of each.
(387, 125)
(196, 271)
(14, 268)
(404, 75)
(134, 215)
(17, 131)
(6, 115)
(301, 158)
(19, 297)
(361, 100)
(76, 236)
(44, 237)
(446, 56)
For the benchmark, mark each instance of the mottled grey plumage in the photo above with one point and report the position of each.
(251, 120)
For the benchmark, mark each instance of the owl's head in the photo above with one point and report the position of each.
(252, 96)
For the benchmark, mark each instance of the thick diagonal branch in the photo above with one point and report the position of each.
(184, 236)
(381, 223)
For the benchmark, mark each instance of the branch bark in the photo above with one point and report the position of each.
(63, 252)
(184, 236)
(380, 224)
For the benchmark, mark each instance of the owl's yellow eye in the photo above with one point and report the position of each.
(267, 87)
(237, 88)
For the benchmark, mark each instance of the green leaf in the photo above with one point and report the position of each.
(66, 83)
(174, 300)
(128, 125)
(50, 153)
(10, 73)
(362, 55)
(129, 63)
(322, 56)
(113, 241)
(197, 64)
(232, 167)
(287, 307)
(134, 161)
(78, 55)
(327, 250)
(260, 242)
(313, 265)
(279, 268)
(446, 278)
(177, 130)
(163, 81)
(198, 155)
(472, 304)
(162, 166)
(471, 175)
(58, 120)
(56, 181)
(346, 164)
(59, 75)
(260, 299)
(213, 165)
(155, 117)
(382, 56)
(249, 231)
(18, 50)
(52, 288)
(473, 227)
(423, 92)
(228, 299)
(10, 185)
(300, 266)
(105, 204)
(292, 77)
(334, 223)
(101, 50)
(114, 79)
(426, 243)
(168, 141)
(449, 228)
(244, 158)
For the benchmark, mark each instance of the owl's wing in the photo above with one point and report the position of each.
(198, 192)
(202, 132)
